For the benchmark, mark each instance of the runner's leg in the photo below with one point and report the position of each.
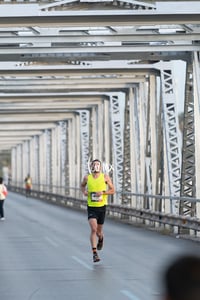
(93, 233)
(100, 231)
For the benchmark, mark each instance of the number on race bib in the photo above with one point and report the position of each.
(95, 198)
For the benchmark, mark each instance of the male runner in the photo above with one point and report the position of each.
(99, 186)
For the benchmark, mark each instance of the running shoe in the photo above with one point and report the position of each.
(100, 244)
(95, 257)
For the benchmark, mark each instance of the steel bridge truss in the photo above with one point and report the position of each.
(92, 69)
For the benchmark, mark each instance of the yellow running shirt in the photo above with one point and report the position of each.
(96, 185)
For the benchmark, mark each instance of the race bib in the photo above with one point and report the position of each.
(95, 198)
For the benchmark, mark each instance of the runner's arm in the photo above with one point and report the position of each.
(83, 185)
(111, 189)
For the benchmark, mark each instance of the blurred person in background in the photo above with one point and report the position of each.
(182, 279)
(3, 194)
(28, 185)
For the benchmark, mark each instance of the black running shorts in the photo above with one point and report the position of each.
(97, 213)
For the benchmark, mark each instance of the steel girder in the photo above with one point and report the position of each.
(85, 140)
(128, 170)
(188, 179)
(42, 162)
(117, 110)
(63, 153)
(137, 166)
(19, 164)
(54, 142)
(34, 159)
(196, 66)
(152, 145)
(47, 135)
(171, 136)
(59, 156)
(102, 17)
(131, 162)
(26, 160)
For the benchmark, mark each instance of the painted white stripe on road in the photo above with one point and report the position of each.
(82, 263)
(51, 241)
(129, 295)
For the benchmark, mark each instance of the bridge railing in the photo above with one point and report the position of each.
(164, 222)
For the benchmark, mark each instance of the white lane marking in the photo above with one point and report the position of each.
(51, 241)
(82, 263)
(129, 295)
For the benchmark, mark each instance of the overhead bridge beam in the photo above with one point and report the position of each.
(138, 37)
(11, 83)
(87, 67)
(34, 118)
(10, 18)
(73, 52)
(134, 38)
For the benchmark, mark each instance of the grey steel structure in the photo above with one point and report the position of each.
(85, 79)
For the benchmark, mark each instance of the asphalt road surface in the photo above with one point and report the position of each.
(45, 255)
